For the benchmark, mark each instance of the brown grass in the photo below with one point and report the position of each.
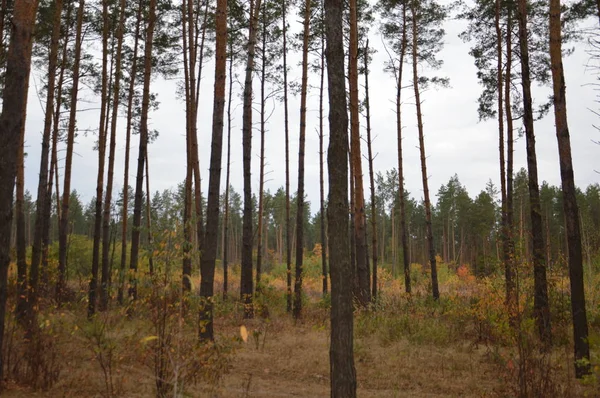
(290, 360)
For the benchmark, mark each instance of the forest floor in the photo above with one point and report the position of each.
(412, 348)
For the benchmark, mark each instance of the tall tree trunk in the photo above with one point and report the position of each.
(101, 160)
(578, 311)
(63, 229)
(12, 124)
(511, 277)
(246, 288)
(301, 149)
(106, 269)
(371, 174)
(42, 218)
(321, 163)
(288, 227)
(188, 53)
(541, 305)
(261, 173)
(403, 234)
(21, 244)
(341, 352)
(125, 210)
(226, 220)
(137, 209)
(149, 218)
(364, 280)
(53, 173)
(509, 272)
(207, 264)
(429, 231)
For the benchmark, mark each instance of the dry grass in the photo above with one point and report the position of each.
(283, 358)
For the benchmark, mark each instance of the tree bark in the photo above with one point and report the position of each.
(137, 209)
(105, 281)
(42, 219)
(541, 305)
(364, 288)
(261, 184)
(288, 229)
(371, 175)
(578, 310)
(63, 229)
(92, 301)
(403, 233)
(321, 163)
(301, 149)
(207, 264)
(429, 231)
(246, 288)
(12, 124)
(125, 211)
(20, 232)
(341, 354)
(226, 220)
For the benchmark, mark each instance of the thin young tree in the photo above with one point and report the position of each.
(371, 172)
(12, 124)
(571, 210)
(246, 288)
(396, 34)
(137, 210)
(341, 352)
(129, 124)
(322, 154)
(288, 227)
(92, 294)
(106, 218)
(207, 264)
(540, 304)
(363, 277)
(301, 148)
(63, 229)
(20, 231)
(226, 221)
(42, 218)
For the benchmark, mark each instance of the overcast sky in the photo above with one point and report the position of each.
(455, 141)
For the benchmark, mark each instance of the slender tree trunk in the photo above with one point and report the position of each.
(101, 160)
(63, 229)
(125, 211)
(226, 221)
(246, 288)
(509, 272)
(20, 231)
(341, 352)
(149, 218)
(541, 305)
(12, 124)
(288, 227)
(137, 209)
(53, 173)
(301, 149)
(578, 311)
(427, 202)
(371, 175)
(188, 52)
(194, 92)
(321, 163)
(207, 264)
(42, 218)
(364, 288)
(106, 270)
(261, 184)
(403, 234)
(511, 277)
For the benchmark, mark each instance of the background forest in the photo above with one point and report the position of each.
(238, 280)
